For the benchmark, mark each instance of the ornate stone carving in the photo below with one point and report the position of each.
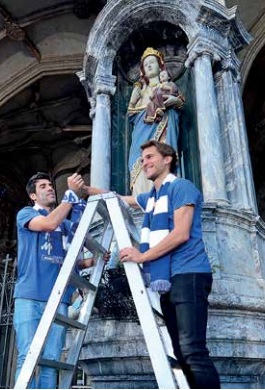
(14, 32)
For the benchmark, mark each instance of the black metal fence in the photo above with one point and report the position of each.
(7, 336)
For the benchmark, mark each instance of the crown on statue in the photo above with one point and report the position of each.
(152, 52)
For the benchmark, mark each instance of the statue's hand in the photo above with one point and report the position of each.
(135, 96)
(171, 100)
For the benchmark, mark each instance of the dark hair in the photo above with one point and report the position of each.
(165, 150)
(31, 184)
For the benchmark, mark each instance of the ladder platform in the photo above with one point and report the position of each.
(66, 322)
(56, 364)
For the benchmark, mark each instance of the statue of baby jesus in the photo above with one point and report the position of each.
(155, 108)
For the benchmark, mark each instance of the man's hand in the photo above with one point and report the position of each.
(90, 262)
(75, 182)
(131, 254)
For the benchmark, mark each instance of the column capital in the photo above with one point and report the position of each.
(104, 84)
(203, 46)
(231, 63)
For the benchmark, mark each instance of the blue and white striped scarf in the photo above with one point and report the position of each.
(155, 228)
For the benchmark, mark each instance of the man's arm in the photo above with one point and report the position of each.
(183, 218)
(93, 190)
(130, 200)
(51, 221)
(54, 219)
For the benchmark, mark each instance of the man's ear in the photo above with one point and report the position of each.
(168, 159)
(32, 197)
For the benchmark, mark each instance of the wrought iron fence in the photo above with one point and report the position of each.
(7, 337)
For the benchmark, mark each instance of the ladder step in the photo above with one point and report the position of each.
(82, 282)
(102, 210)
(158, 314)
(93, 245)
(56, 364)
(66, 321)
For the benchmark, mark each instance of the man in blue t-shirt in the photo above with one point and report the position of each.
(174, 259)
(42, 232)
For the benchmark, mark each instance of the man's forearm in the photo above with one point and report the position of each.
(93, 190)
(130, 200)
(51, 221)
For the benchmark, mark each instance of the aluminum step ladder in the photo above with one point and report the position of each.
(119, 223)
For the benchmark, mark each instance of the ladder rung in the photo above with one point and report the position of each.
(102, 210)
(93, 245)
(66, 321)
(82, 282)
(56, 364)
(158, 314)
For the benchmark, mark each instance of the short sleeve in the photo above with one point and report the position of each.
(183, 193)
(25, 215)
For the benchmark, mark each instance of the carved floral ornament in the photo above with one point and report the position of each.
(14, 32)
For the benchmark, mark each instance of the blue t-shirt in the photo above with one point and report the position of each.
(191, 255)
(40, 256)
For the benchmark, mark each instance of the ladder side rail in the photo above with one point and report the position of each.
(85, 312)
(130, 225)
(56, 295)
(155, 346)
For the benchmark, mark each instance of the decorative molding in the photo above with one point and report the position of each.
(225, 21)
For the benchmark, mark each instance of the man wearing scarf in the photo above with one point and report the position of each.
(175, 262)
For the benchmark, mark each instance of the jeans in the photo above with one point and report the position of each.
(185, 310)
(26, 319)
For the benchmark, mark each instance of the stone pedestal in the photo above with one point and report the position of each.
(115, 356)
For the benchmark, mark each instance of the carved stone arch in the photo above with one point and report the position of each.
(258, 33)
(120, 21)
(254, 108)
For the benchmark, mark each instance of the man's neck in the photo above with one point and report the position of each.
(159, 180)
(38, 206)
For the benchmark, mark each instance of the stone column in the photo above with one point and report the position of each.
(238, 169)
(210, 146)
(101, 132)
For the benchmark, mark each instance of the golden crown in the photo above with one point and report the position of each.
(152, 52)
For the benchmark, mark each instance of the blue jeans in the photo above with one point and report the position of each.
(26, 319)
(185, 310)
